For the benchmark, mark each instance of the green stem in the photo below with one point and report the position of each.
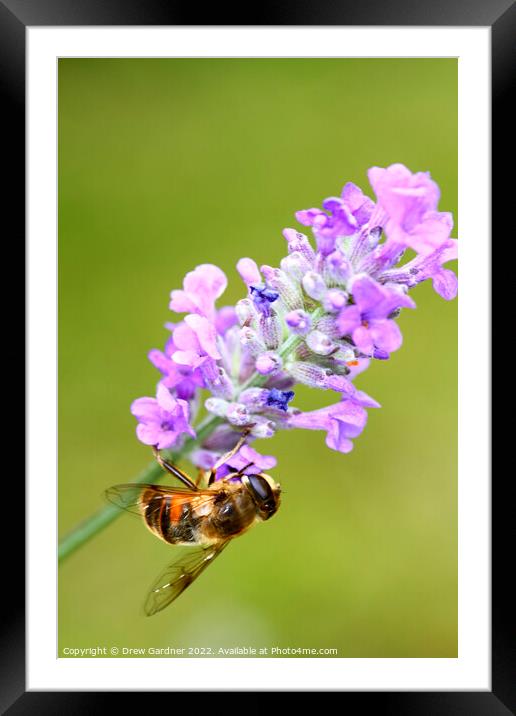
(104, 516)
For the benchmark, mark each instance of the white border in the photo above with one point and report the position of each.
(471, 670)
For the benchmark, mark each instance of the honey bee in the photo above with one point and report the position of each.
(205, 520)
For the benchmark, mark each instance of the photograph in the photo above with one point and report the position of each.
(257, 323)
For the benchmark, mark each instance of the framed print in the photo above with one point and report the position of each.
(190, 365)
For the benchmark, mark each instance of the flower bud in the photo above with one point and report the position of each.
(248, 271)
(268, 362)
(245, 311)
(249, 338)
(218, 382)
(314, 285)
(217, 406)
(262, 428)
(328, 325)
(295, 265)
(262, 297)
(307, 373)
(254, 398)
(299, 322)
(237, 414)
(337, 267)
(335, 300)
(289, 292)
(299, 242)
(269, 330)
(319, 343)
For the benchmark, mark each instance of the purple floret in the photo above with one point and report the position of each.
(263, 297)
(279, 398)
(162, 421)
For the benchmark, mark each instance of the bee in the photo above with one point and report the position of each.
(205, 520)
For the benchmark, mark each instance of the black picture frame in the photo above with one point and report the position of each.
(500, 16)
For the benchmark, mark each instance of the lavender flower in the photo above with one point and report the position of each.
(318, 319)
(368, 319)
(162, 420)
(182, 380)
(342, 421)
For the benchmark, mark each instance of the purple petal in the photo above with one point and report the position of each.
(308, 216)
(185, 338)
(181, 302)
(244, 456)
(367, 293)
(165, 399)
(342, 421)
(183, 415)
(353, 196)
(248, 271)
(145, 409)
(450, 251)
(345, 425)
(333, 203)
(204, 459)
(202, 287)
(404, 196)
(365, 400)
(360, 205)
(341, 384)
(386, 335)
(263, 462)
(364, 213)
(349, 319)
(337, 441)
(206, 334)
(352, 416)
(167, 439)
(189, 358)
(431, 233)
(445, 284)
(363, 340)
(160, 361)
(149, 434)
(225, 319)
(207, 283)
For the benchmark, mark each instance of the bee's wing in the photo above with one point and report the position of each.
(137, 498)
(179, 575)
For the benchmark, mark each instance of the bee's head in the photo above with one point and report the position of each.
(265, 493)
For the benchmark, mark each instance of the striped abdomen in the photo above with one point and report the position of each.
(171, 519)
(197, 520)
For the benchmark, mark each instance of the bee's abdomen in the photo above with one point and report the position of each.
(171, 519)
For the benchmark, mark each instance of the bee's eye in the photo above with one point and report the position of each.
(261, 488)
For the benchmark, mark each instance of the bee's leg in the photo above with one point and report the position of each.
(228, 455)
(174, 471)
(242, 471)
(200, 476)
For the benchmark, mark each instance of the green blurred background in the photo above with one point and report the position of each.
(165, 164)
